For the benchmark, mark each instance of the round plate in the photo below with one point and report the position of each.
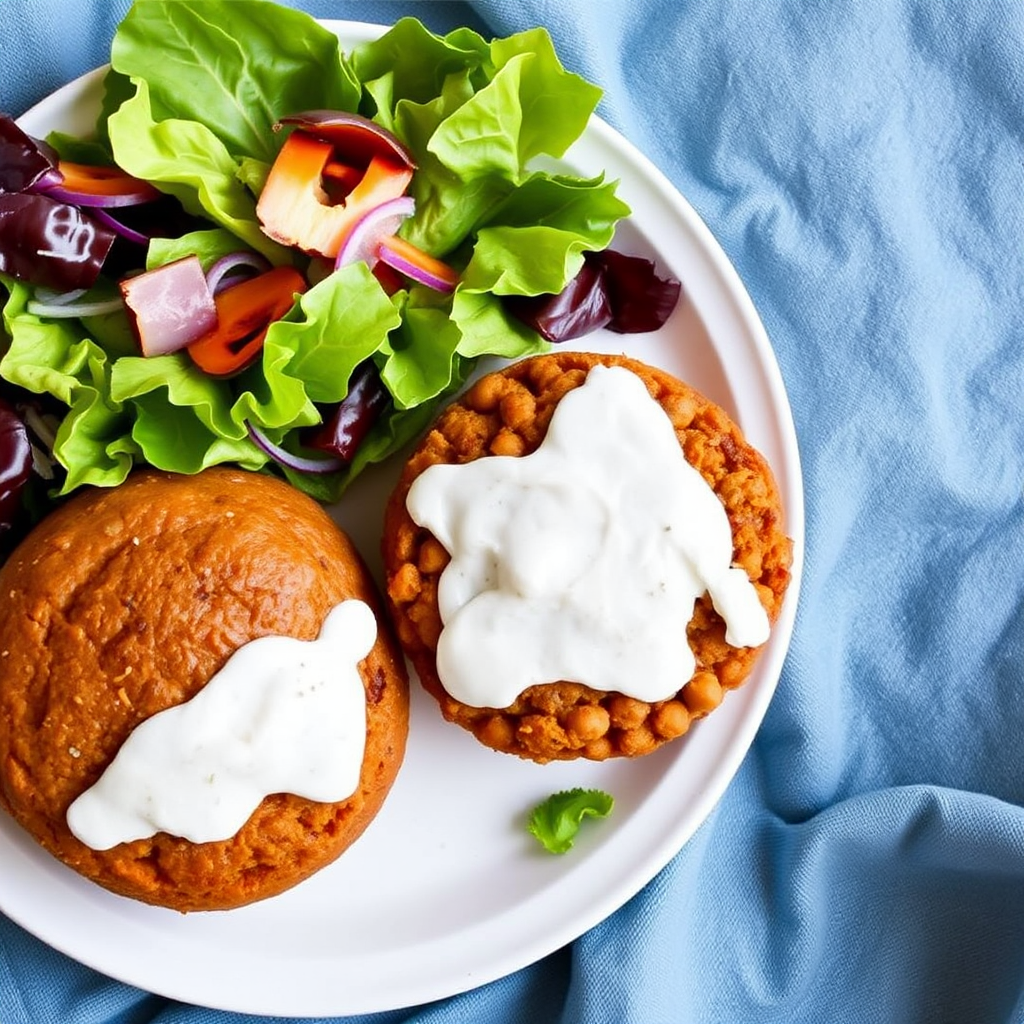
(446, 890)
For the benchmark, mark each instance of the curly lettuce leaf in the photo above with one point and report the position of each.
(419, 361)
(556, 821)
(47, 357)
(175, 438)
(448, 205)
(556, 103)
(234, 68)
(188, 160)
(531, 106)
(182, 385)
(83, 151)
(333, 327)
(411, 63)
(208, 246)
(486, 328)
(533, 243)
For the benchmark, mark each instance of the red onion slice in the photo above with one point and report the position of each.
(49, 179)
(234, 267)
(296, 462)
(127, 233)
(363, 241)
(416, 265)
(95, 201)
(169, 307)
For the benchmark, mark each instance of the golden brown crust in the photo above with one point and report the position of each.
(507, 413)
(125, 602)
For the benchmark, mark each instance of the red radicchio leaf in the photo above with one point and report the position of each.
(15, 464)
(345, 426)
(45, 242)
(613, 290)
(581, 307)
(23, 160)
(641, 301)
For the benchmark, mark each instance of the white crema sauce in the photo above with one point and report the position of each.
(282, 716)
(582, 561)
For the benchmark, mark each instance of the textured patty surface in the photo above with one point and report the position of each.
(507, 413)
(125, 602)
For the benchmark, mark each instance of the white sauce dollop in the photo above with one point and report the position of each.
(583, 560)
(282, 716)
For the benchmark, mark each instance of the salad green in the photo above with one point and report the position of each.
(556, 821)
(190, 105)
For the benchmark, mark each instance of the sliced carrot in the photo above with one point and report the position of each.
(103, 181)
(244, 314)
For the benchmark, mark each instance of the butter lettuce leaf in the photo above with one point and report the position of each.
(175, 438)
(182, 385)
(419, 355)
(533, 241)
(531, 106)
(235, 68)
(449, 205)
(45, 357)
(487, 328)
(334, 326)
(411, 63)
(208, 246)
(187, 160)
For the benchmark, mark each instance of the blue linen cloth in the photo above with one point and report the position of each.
(862, 164)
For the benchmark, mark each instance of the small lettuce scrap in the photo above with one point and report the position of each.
(556, 821)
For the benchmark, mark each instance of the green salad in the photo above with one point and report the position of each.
(193, 105)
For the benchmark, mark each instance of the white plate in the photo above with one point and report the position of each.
(446, 890)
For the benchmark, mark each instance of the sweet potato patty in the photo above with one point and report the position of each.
(125, 602)
(507, 413)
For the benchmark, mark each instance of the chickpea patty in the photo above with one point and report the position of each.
(507, 413)
(125, 602)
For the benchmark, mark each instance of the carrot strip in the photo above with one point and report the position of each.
(103, 181)
(416, 257)
(244, 314)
